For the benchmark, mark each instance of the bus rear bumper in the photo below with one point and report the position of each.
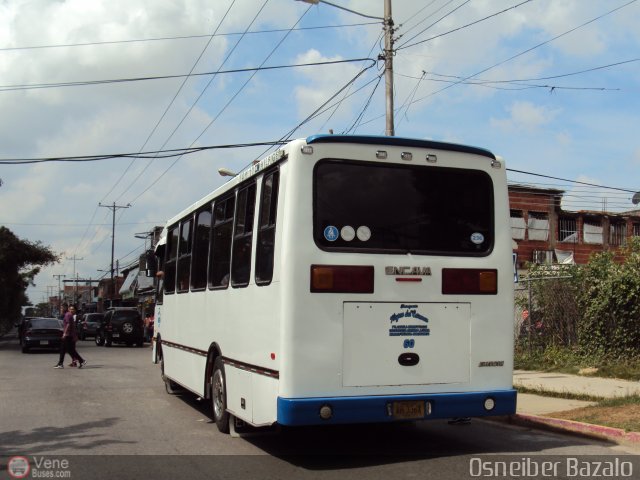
(374, 409)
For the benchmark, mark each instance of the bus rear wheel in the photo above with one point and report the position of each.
(219, 396)
(170, 386)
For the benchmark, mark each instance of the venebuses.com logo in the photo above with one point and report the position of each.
(18, 467)
(38, 467)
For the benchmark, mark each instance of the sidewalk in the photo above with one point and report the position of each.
(532, 409)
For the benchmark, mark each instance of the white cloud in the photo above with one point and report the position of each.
(571, 126)
(525, 116)
(318, 88)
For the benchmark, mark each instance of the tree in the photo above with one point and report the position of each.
(20, 262)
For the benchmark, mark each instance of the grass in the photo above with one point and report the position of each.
(572, 362)
(620, 412)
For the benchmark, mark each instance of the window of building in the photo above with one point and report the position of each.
(618, 234)
(220, 250)
(567, 229)
(267, 228)
(517, 225)
(201, 242)
(592, 231)
(636, 229)
(243, 236)
(538, 226)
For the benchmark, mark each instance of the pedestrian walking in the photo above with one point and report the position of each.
(69, 339)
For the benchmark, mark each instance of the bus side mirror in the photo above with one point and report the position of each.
(150, 263)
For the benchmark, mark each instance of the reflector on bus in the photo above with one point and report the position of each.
(341, 279)
(469, 281)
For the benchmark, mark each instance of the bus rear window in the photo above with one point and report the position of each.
(390, 208)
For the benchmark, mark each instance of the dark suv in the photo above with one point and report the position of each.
(89, 325)
(121, 325)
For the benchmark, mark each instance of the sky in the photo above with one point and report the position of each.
(552, 86)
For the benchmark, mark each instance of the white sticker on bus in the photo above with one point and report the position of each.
(363, 233)
(477, 238)
(347, 233)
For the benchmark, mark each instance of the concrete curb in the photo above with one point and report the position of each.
(616, 435)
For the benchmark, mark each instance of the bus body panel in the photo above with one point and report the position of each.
(314, 323)
(405, 344)
(289, 351)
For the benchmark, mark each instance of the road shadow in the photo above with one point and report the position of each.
(79, 437)
(334, 447)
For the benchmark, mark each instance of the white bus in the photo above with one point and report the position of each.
(344, 279)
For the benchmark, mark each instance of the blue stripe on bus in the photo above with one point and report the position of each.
(398, 141)
(374, 409)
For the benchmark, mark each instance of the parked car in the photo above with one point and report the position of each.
(89, 325)
(121, 325)
(42, 333)
(20, 326)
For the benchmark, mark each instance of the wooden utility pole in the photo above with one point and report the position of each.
(113, 209)
(388, 68)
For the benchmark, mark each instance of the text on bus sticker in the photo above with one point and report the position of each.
(261, 165)
(408, 312)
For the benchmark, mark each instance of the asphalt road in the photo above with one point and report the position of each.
(113, 419)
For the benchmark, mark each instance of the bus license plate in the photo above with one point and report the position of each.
(407, 410)
(116, 335)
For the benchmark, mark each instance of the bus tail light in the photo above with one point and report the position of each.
(469, 281)
(341, 279)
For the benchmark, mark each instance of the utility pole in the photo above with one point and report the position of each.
(387, 56)
(75, 275)
(388, 68)
(50, 290)
(59, 299)
(113, 209)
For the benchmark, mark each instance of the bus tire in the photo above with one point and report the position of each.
(219, 396)
(170, 386)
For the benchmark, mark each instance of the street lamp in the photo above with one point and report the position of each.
(316, 2)
(387, 56)
(225, 172)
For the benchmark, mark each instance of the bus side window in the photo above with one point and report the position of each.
(242, 237)
(267, 228)
(171, 258)
(200, 254)
(184, 256)
(220, 250)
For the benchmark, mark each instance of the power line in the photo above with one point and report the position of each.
(451, 12)
(229, 102)
(529, 49)
(83, 83)
(415, 15)
(180, 37)
(570, 181)
(162, 117)
(346, 93)
(518, 81)
(72, 225)
(516, 85)
(195, 102)
(515, 56)
(404, 45)
(150, 154)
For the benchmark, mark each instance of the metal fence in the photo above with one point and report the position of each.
(546, 312)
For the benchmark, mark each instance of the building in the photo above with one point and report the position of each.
(543, 232)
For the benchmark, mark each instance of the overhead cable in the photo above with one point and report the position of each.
(181, 37)
(5, 88)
